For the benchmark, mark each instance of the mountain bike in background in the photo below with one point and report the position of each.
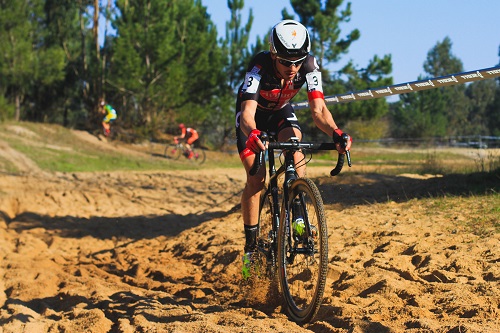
(178, 148)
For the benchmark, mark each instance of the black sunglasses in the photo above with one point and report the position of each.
(289, 63)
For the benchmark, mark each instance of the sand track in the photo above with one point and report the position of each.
(161, 252)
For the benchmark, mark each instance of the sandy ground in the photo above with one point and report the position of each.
(161, 252)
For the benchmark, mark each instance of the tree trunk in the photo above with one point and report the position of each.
(18, 108)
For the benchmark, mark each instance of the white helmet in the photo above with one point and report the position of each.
(289, 38)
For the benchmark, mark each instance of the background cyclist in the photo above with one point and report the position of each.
(110, 115)
(189, 135)
(272, 79)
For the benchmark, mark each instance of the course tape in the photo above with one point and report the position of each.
(408, 87)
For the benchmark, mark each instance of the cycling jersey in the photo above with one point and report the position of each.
(274, 112)
(189, 134)
(110, 113)
(262, 85)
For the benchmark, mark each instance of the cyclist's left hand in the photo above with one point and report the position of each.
(341, 145)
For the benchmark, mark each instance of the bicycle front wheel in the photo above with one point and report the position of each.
(173, 151)
(303, 251)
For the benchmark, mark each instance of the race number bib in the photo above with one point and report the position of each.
(252, 81)
(314, 82)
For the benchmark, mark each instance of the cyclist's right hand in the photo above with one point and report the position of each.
(253, 142)
(343, 143)
(342, 140)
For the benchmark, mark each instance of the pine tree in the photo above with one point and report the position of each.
(166, 63)
(481, 95)
(436, 112)
(236, 42)
(27, 60)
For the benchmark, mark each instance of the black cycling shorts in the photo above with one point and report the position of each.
(269, 122)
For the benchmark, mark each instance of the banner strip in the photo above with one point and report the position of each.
(408, 87)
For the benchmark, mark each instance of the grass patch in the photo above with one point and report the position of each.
(55, 148)
(426, 161)
(85, 159)
(7, 166)
(396, 161)
(481, 218)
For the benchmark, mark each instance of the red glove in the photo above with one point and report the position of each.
(337, 135)
(337, 138)
(253, 139)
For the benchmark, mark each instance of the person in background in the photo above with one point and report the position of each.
(273, 78)
(189, 135)
(109, 116)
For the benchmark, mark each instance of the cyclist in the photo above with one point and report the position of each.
(110, 115)
(190, 135)
(273, 77)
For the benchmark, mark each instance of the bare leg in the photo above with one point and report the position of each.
(251, 193)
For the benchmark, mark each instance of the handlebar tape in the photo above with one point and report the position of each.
(259, 157)
(340, 160)
(338, 167)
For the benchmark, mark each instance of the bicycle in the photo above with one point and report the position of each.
(176, 149)
(296, 251)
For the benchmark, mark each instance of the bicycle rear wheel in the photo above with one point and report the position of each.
(199, 155)
(303, 256)
(173, 151)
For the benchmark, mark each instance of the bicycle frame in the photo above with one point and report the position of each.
(176, 149)
(272, 189)
(289, 171)
(181, 146)
(288, 168)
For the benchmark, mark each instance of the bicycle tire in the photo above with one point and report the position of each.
(173, 151)
(302, 275)
(199, 155)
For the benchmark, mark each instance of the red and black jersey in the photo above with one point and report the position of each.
(262, 85)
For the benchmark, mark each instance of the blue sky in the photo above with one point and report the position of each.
(405, 29)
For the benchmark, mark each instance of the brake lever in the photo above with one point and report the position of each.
(340, 160)
(259, 157)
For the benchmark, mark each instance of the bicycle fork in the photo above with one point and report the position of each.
(290, 176)
(297, 208)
